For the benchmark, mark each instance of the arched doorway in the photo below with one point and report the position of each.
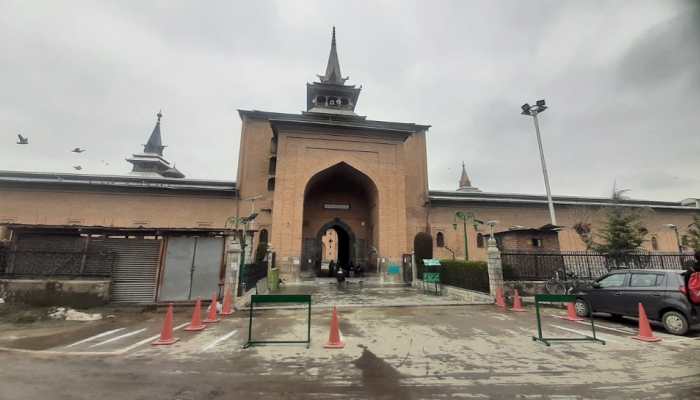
(343, 200)
(338, 242)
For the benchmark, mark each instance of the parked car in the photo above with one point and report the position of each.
(664, 294)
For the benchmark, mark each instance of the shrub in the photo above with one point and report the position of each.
(472, 275)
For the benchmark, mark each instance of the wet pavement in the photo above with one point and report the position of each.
(358, 293)
(390, 353)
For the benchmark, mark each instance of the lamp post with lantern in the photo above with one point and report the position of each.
(466, 217)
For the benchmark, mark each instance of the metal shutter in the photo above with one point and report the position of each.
(135, 273)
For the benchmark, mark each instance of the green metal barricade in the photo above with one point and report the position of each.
(431, 274)
(278, 298)
(559, 298)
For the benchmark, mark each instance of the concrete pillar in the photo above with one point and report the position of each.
(495, 268)
(233, 262)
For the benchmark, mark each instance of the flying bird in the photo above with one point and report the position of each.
(22, 140)
(77, 167)
(78, 150)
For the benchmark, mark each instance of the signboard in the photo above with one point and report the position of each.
(336, 206)
(431, 262)
(393, 269)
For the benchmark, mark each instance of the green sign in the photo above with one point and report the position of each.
(393, 269)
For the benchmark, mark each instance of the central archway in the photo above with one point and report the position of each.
(343, 199)
(345, 242)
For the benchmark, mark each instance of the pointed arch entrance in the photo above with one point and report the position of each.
(344, 200)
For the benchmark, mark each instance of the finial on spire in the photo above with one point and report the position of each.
(333, 37)
(159, 115)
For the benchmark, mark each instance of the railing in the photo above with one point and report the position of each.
(59, 263)
(250, 275)
(584, 265)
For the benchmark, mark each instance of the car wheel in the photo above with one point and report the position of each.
(675, 323)
(582, 309)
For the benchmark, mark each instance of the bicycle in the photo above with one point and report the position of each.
(571, 284)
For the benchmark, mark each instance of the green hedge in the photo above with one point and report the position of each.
(472, 275)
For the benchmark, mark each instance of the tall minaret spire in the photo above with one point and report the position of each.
(330, 95)
(465, 185)
(333, 74)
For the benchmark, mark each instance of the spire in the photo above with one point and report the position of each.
(333, 74)
(155, 143)
(465, 185)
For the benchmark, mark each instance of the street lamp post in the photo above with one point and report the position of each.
(678, 236)
(532, 111)
(465, 217)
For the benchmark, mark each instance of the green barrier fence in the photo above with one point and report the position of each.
(559, 298)
(278, 298)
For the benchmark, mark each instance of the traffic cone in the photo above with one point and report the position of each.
(227, 308)
(334, 341)
(196, 324)
(517, 303)
(211, 318)
(166, 334)
(500, 301)
(645, 333)
(571, 313)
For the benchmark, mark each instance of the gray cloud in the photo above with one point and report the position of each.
(622, 82)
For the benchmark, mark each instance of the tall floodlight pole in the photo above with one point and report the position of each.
(533, 111)
(678, 236)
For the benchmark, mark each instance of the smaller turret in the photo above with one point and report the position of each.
(465, 185)
(151, 161)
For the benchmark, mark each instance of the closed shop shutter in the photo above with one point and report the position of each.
(135, 273)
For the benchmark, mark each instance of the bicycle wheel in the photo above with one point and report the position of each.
(553, 286)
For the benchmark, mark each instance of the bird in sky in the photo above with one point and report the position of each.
(22, 140)
(78, 150)
(77, 167)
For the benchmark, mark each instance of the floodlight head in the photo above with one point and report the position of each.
(250, 217)
(526, 109)
(540, 103)
(492, 223)
(670, 226)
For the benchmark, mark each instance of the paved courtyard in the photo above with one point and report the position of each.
(326, 293)
(411, 352)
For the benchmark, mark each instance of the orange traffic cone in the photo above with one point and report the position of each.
(211, 317)
(517, 303)
(196, 324)
(500, 301)
(334, 341)
(166, 334)
(571, 313)
(227, 308)
(645, 333)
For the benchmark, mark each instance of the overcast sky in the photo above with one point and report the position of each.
(622, 79)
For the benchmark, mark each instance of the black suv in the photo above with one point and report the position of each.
(664, 294)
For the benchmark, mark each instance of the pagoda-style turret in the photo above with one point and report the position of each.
(151, 161)
(331, 95)
(465, 185)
